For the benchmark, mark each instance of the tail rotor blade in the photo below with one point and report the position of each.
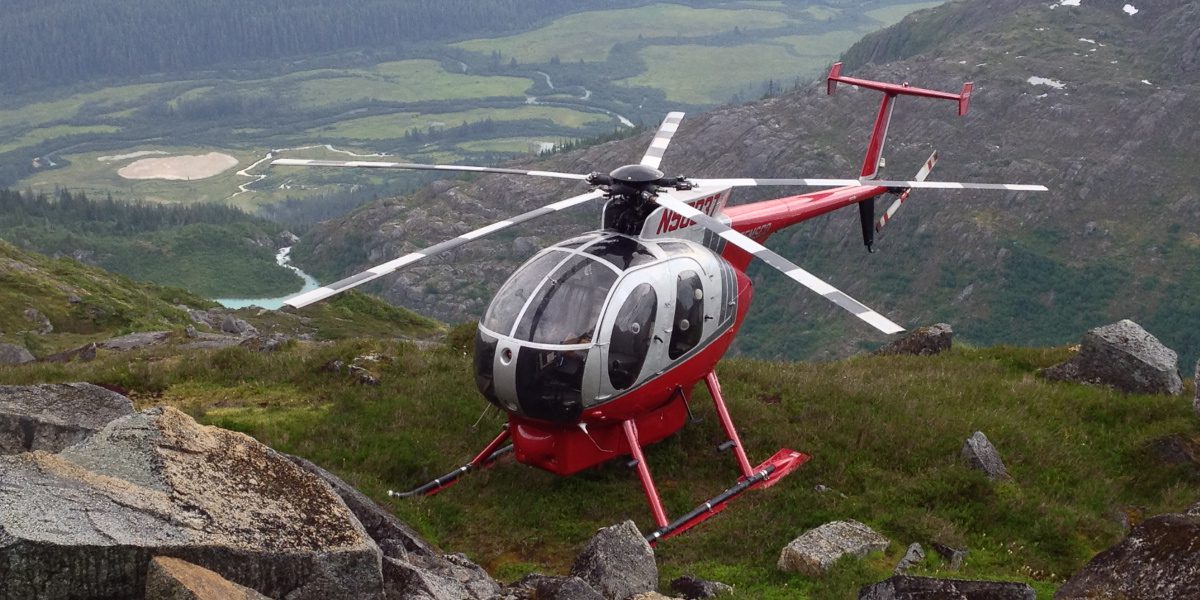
(371, 164)
(662, 137)
(788, 268)
(921, 175)
(337, 287)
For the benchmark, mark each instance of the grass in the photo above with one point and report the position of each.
(45, 134)
(403, 81)
(36, 114)
(588, 36)
(884, 433)
(892, 14)
(395, 125)
(685, 71)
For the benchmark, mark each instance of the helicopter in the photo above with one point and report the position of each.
(594, 345)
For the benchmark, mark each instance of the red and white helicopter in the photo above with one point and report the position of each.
(594, 345)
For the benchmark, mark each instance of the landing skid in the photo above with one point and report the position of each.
(490, 454)
(765, 475)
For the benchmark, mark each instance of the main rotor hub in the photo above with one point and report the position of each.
(636, 174)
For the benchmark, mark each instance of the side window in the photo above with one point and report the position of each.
(631, 336)
(689, 314)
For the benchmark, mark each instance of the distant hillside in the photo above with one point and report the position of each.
(211, 249)
(1115, 238)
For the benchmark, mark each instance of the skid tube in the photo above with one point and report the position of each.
(490, 454)
(709, 508)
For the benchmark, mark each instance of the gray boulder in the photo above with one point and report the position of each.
(173, 579)
(815, 551)
(1124, 356)
(1159, 559)
(41, 322)
(980, 454)
(51, 417)
(232, 324)
(923, 341)
(618, 562)
(84, 353)
(450, 577)
(694, 588)
(912, 557)
(85, 522)
(955, 556)
(542, 587)
(12, 354)
(135, 341)
(906, 587)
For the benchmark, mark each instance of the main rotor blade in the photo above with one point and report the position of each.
(662, 137)
(337, 287)
(940, 185)
(788, 268)
(371, 164)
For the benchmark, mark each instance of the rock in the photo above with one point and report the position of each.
(84, 353)
(211, 341)
(265, 343)
(381, 525)
(135, 341)
(694, 588)
(618, 562)
(286, 238)
(923, 341)
(1196, 382)
(12, 354)
(232, 324)
(1124, 356)
(363, 376)
(452, 577)
(1159, 559)
(73, 299)
(906, 587)
(651, 596)
(981, 455)
(1193, 510)
(953, 555)
(817, 549)
(914, 555)
(85, 522)
(36, 317)
(541, 587)
(51, 417)
(173, 579)
(190, 332)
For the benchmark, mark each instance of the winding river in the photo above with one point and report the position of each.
(284, 259)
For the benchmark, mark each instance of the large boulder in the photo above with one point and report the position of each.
(923, 341)
(85, 522)
(980, 454)
(694, 588)
(905, 587)
(1159, 559)
(618, 562)
(136, 341)
(452, 577)
(543, 587)
(1124, 356)
(815, 551)
(174, 579)
(51, 417)
(12, 354)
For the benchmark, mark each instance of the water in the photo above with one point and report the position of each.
(284, 259)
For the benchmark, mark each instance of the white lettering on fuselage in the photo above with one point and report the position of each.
(672, 221)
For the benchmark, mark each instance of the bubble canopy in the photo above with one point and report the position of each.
(557, 297)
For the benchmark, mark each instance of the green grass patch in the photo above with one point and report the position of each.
(45, 134)
(588, 36)
(403, 81)
(892, 14)
(685, 73)
(394, 126)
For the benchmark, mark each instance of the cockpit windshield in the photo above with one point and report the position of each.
(566, 310)
(511, 298)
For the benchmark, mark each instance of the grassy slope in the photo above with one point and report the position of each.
(884, 433)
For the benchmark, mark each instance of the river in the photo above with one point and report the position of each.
(284, 259)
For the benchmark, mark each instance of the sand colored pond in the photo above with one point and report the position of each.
(179, 168)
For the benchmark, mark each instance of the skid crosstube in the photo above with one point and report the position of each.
(490, 454)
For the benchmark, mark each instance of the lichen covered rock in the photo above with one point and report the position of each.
(1124, 356)
(1159, 559)
(51, 417)
(816, 550)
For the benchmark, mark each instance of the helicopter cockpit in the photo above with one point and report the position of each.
(589, 319)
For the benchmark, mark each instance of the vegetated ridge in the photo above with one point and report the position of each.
(1087, 100)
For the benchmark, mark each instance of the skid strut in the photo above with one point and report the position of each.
(490, 454)
(763, 476)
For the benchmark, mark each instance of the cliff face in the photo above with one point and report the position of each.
(1089, 100)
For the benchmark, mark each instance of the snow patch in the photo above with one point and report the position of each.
(1087, 41)
(1130, 9)
(1147, 82)
(1069, 3)
(1054, 83)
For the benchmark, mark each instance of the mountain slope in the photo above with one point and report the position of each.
(1115, 237)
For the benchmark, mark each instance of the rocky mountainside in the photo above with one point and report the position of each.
(1088, 100)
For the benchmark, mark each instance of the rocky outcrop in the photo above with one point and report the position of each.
(542, 587)
(618, 562)
(51, 417)
(136, 341)
(912, 557)
(816, 550)
(904, 587)
(452, 577)
(923, 341)
(84, 353)
(1124, 356)
(41, 323)
(980, 454)
(694, 588)
(232, 324)
(12, 354)
(954, 556)
(174, 579)
(1159, 559)
(85, 522)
